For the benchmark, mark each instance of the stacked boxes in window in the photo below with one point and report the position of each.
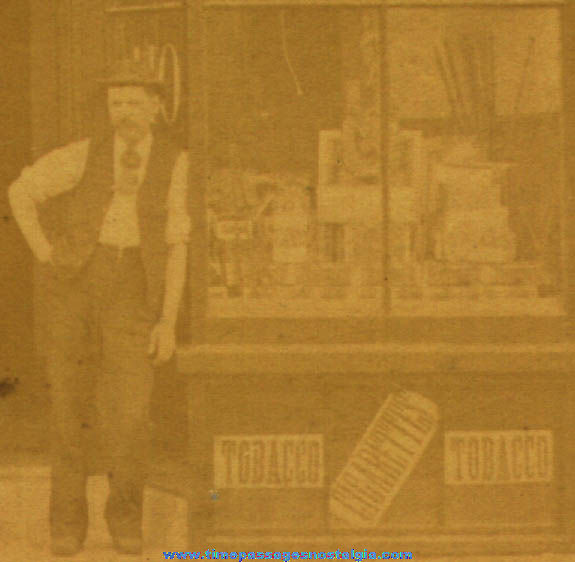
(475, 225)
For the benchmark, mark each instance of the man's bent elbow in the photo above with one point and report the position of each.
(21, 203)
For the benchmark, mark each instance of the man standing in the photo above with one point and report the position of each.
(106, 218)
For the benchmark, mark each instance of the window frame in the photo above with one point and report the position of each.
(384, 327)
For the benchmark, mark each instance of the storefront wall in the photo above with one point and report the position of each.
(288, 405)
(490, 450)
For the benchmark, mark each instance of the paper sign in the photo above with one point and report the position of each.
(383, 459)
(268, 461)
(498, 457)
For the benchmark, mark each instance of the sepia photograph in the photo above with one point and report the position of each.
(287, 279)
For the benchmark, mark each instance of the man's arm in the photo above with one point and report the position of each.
(26, 215)
(175, 280)
(51, 175)
(163, 338)
(177, 237)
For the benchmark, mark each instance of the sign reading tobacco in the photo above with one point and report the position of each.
(268, 461)
(498, 457)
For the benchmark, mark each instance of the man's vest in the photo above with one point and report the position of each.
(72, 221)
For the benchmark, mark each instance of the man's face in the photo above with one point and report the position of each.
(132, 110)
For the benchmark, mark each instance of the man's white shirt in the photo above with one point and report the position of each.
(62, 169)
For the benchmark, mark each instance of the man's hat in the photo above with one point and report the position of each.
(129, 72)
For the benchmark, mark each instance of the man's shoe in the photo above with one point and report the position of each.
(66, 545)
(127, 544)
(68, 523)
(123, 513)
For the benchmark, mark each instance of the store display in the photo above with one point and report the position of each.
(330, 157)
(291, 224)
(456, 221)
(477, 236)
(475, 225)
(361, 142)
(349, 203)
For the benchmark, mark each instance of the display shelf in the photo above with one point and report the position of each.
(478, 306)
(142, 8)
(377, 358)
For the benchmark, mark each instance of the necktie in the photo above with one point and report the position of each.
(130, 164)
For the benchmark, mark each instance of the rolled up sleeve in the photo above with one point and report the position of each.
(178, 224)
(54, 173)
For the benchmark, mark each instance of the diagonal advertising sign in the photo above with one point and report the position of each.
(383, 459)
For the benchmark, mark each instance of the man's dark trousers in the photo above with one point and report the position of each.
(99, 333)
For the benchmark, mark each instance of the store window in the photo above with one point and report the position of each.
(418, 173)
(475, 161)
(294, 188)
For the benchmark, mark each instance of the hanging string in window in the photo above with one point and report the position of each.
(286, 54)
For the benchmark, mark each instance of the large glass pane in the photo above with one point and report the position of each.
(475, 161)
(294, 188)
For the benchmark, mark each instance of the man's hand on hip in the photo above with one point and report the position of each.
(162, 342)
